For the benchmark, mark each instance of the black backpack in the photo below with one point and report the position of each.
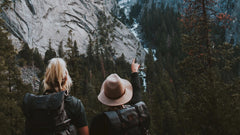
(133, 120)
(45, 115)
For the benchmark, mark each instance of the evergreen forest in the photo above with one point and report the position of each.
(193, 88)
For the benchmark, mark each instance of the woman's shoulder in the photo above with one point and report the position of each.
(73, 102)
(72, 99)
(75, 110)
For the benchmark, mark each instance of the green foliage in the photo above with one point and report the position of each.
(192, 88)
(90, 50)
(88, 73)
(61, 53)
(122, 17)
(161, 28)
(207, 75)
(134, 12)
(38, 61)
(5, 4)
(104, 38)
(11, 89)
(26, 54)
(49, 54)
(160, 97)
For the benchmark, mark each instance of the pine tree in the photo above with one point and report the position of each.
(206, 93)
(5, 3)
(90, 52)
(38, 61)
(75, 67)
(11, 89)
(160, 98)
(27, 54)
(75, 51)
(49, 54)
(120, 66)
(61, 53)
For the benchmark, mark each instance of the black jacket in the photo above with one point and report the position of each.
(100, 124)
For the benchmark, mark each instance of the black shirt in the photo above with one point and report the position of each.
(100, 125)
(75, 111)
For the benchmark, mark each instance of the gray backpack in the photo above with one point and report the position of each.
(45, 115)
(133, 120)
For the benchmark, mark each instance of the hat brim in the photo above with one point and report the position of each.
(126, 97)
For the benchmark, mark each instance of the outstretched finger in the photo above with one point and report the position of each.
(133, 61)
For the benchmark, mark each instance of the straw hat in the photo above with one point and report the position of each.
(115, 91)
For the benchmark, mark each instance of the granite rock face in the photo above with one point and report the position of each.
(29, 76)
(38, 22)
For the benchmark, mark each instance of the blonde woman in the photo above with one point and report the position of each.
(56, 80)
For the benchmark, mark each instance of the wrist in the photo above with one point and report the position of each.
(134, 74)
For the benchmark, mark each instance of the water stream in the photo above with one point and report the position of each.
(135, 29)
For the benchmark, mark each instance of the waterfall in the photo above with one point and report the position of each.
(135, 29)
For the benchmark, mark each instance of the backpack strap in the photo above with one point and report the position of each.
(26, 104)
(63, 125)
(43, 103)
(144, 118)
(114, 120)
(131, 120)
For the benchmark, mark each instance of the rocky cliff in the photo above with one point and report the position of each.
(37, 22)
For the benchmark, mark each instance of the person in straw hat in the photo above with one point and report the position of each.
(121, 119)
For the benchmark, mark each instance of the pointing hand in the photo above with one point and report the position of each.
(134, 66)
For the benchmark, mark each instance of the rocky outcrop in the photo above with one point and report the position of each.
(29, 76)
(37, 22)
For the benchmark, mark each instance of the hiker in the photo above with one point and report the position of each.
(56, 111)
(121, 119)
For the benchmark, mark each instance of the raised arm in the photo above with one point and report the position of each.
(137, 95)
(83, 130)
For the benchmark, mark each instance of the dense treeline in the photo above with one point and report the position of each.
(192, 88)
(11, 87)
(211, 85)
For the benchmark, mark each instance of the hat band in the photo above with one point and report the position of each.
(117, 96)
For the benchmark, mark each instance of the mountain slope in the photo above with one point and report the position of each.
(39, 22)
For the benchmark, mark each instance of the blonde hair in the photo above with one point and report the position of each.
(56, 76)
